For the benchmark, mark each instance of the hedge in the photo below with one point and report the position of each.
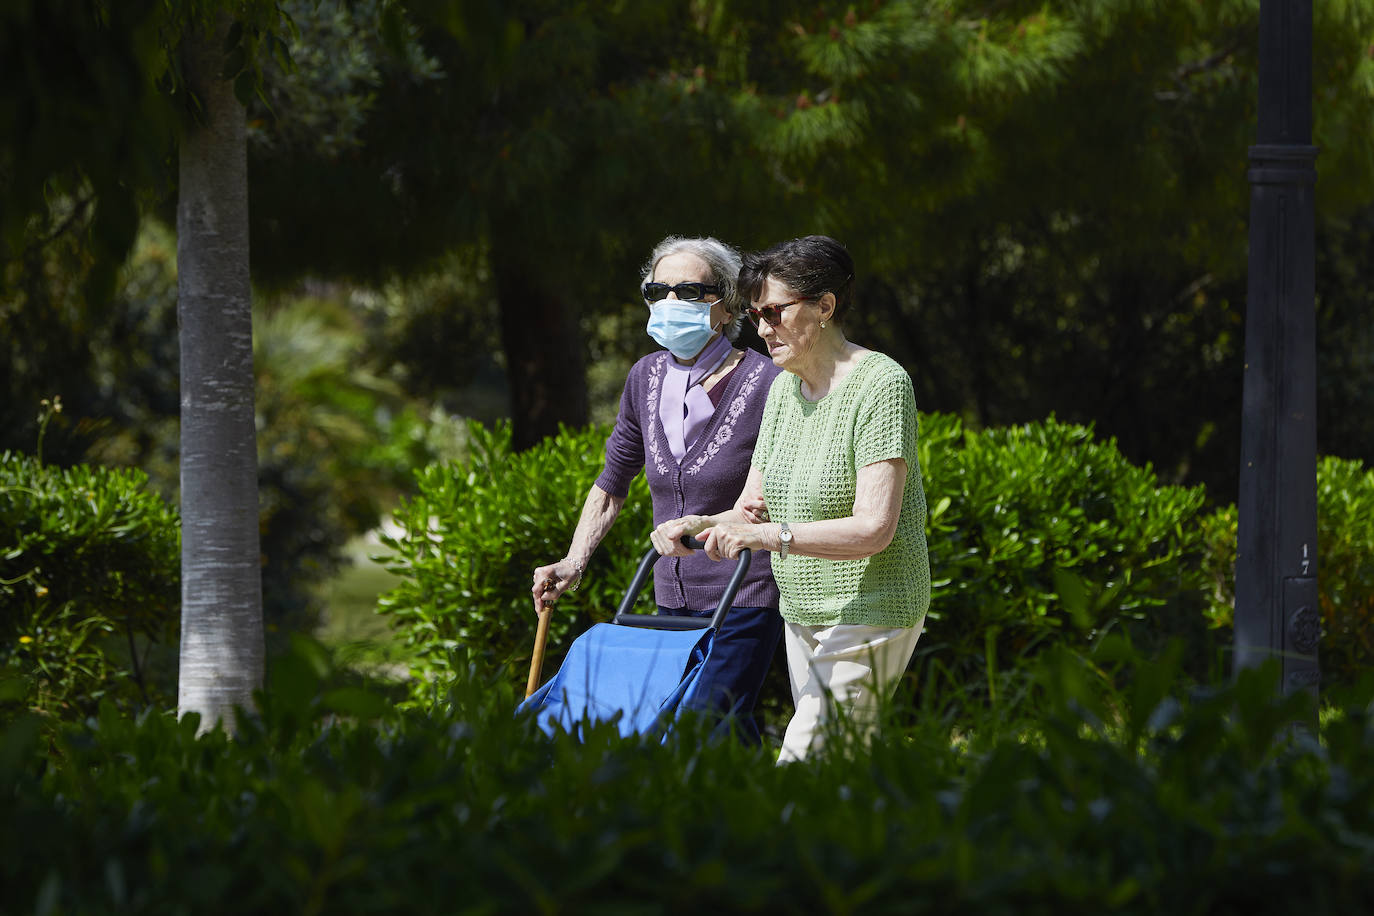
(1148, 801)
(1039, 534)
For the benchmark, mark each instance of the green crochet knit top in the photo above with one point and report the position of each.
(809, 453)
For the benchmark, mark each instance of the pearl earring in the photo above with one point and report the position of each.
(822, 325)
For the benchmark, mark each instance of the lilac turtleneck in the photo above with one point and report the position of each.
(684, 406)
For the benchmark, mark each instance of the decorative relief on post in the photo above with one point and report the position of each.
(1302, 679)
(1304, 630)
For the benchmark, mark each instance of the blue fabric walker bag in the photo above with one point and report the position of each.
(637, 671)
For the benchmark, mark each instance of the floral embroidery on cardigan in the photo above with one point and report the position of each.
(655, 380)
(727, 426)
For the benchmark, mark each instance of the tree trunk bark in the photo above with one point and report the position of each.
(222, 644)
(543, 345)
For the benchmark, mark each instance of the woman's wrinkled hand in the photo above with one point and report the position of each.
(667, 537)
(755, 510)
(552, 581)
(728, 540)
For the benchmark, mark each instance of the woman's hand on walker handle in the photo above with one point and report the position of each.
(728, 540)
(667, 537)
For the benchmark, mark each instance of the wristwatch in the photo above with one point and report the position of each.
(784, 540)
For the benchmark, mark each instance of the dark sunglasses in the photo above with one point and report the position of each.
(772, 313)
(653, 292)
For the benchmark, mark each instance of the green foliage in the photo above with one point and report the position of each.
(473, 535)
(1345, 558)
(88, 587)
(436, 335)
(93, 100)
(1203, 803)
(1039, 535)
(988, 164)
(112, 360)
(535, 117)
(1345, 569)
(1345, 335)
(1042, 199)
(337, 438)
(1042, 535)
(87, 124)
(318, 95)
(335, 441)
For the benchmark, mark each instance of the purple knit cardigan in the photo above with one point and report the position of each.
(708, 480)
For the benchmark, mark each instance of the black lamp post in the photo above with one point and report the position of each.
(1276, 561)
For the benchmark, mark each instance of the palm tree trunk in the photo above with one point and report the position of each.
(222, 645)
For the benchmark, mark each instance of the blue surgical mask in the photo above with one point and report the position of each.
(684, 328)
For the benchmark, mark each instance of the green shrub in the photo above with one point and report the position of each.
(89, 584)
(1192, 803)
(1345, 569)
(1041, 535)
(476, 530)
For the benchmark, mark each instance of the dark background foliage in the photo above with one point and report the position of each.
(1047, 206)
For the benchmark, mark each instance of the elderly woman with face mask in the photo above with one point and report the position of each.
(689, 416)
(834, 491)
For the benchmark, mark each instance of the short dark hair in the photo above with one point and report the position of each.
(812, 266)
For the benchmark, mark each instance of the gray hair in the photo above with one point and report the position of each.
(724, 263)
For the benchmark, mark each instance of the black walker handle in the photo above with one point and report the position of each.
(623, 616)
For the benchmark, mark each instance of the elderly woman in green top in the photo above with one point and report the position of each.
(834, 491)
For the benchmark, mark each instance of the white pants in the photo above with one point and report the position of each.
(841, 673)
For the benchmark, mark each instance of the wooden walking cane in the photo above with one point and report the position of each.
(541, 635)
